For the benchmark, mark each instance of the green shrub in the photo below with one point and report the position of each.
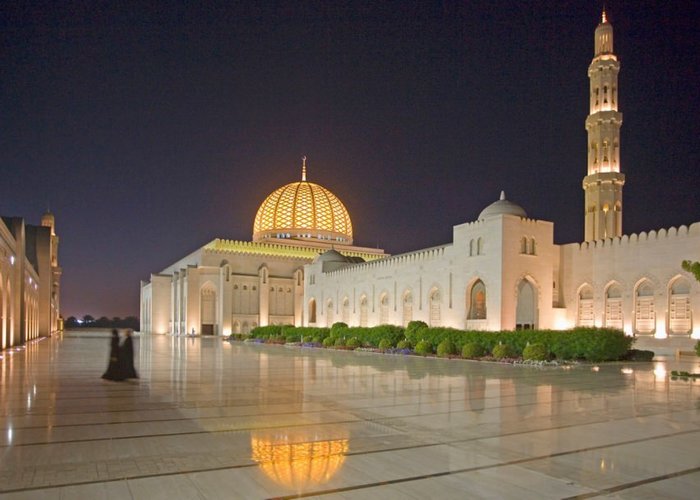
(501, 351)
(423, 347)
(446, 348)
(697, 348)
(328, 341)
(336, 327)
(385, 344)
(413, 330)
(472, 350)
(292, 337)
(339, 342)
(318, 339)
(403, 344)
(370, 336)
(354, 343)
(266, 332)
(535, 352)
(306, 332)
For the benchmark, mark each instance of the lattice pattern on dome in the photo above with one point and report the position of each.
(303, 210)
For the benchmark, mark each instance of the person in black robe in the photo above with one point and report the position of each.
(114, 371)
(126, 355)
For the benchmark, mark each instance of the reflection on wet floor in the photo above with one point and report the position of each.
(208, 418)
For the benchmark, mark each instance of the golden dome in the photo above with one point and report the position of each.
(303, 210)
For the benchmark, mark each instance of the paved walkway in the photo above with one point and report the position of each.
(213, 420)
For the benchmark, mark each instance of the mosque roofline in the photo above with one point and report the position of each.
(291, 249)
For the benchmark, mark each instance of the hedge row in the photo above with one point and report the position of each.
(592, 344)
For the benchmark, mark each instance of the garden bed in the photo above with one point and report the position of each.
(530, 347)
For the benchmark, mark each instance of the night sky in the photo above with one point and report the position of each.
(153, 128)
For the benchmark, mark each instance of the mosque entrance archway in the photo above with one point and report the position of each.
(526, 309)
(208, 310)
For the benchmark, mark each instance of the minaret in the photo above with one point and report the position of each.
(603, 184)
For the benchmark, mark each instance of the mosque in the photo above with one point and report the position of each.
(501, 271)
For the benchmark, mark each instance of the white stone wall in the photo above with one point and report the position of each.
(628, 261)
(514, 249)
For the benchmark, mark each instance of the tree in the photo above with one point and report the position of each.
(71, 322)
(692, 267)
(87, 319)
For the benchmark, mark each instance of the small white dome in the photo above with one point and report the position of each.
(331, 256)
(502, 207)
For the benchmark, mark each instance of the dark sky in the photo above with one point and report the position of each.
(152, 128)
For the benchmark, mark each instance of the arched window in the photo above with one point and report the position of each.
(679, 314)
(586, 316)
(384, 309)
(613, 307)
(434, 300)
(312, 311)
(346, 311)
(329, 313)
(477, 301)
(605, 150)
(523, 245)
(644, 311)
(407, 313)
(363, 311)
(480, 246)
(471, 248)
(605, 94)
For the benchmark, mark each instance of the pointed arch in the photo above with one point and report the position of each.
(614, 317)
(526, 304)
(345, 312)
(585, 312)
(434, 302)
(680, 320)
(644, 308)
(207, 309)
(312, 310)
(364, 306)
(476, 300)
(384, 308)
(329, 313)
(407, 307)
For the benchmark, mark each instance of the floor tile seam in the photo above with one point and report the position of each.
(634, 484)
(492, 466)
(166, 408)
(449, 443)
(349, 488)
(573, 398)
(377, 421)
(129, 389)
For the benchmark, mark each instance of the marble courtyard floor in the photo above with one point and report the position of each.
(214, 420)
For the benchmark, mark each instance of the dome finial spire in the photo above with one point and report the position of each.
(604, 18)
(503, 195)
(303, 168)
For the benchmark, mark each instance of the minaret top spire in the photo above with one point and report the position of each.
(604, 18)
(303, 168)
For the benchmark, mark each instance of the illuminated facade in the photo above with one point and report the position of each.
(29, 280)
(503, 271)
(229, 286)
